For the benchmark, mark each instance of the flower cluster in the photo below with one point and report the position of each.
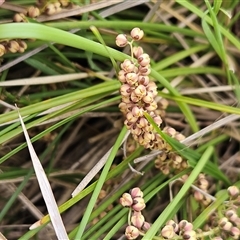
(203, 184)
(168, 160)
(138, 94)
(138, 97)
(12, 46)
(45, 7)
(183, 229)
(134, 200)
(227, 221)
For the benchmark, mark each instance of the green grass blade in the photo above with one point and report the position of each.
(99, 185)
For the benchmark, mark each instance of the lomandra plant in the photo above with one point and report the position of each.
(138, 99)
(147, 153)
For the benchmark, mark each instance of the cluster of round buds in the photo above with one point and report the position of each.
(47, 7)
(203, 184)
(229, 221)
(138, 94)
(31, 12)
(134, 200)
(139, 97)
(183, 229)
(167, 161)
(230, 224)
(12, 46)
(51, 8)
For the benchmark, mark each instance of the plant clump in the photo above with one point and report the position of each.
(222, 225)
(139, 94)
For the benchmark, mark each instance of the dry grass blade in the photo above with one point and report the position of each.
(47, 80)
(2, 237)
(45, 188)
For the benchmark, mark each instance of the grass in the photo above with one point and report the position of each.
(66, 88)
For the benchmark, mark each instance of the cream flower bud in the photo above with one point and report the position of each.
(184, 225)
(152, 87)
(136, 192)
(149, 136)
(165, 170)
(131, 78)
(33, 12)
(135, 98)
(128, 66)
(137, 219)
(172, 223)
(149, 98)
(137, 51)
(146, 70)
(140, 91)
(177, 159)
(179, 137)
(141, 140)
(142, 122)
(123, 107)
(235, 232)
(222, 221)
(198, 196)
(144, 60)
(138, 204)
(13, 46)
(151, 107)
(137, 111)
(128, 124)
(233, 192)
(125, 90)
(231, 215)
(50, 9)
(19, 17)
(206, 201)
(57, 6)
(149, 128)
(136, 130)
(122, 76)
(146, 226)
(144, 80)
(170, 131)
(203, 183)
(22, 45)
(131, 118)
(137, 34)
(168, 232)
(227, 227)
(121, 40)
(126, 200)
(158, 120)
(189, 235)
(126, 99)
(131, 232)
